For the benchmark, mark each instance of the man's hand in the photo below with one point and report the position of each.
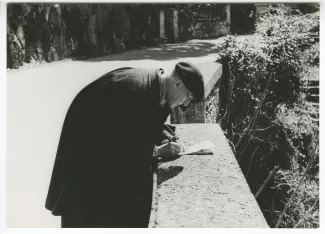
(170, 149)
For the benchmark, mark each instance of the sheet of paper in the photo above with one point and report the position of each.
(204, 147)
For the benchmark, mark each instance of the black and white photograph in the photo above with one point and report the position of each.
(162, 114)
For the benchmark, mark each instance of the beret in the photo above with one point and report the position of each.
(192, 79)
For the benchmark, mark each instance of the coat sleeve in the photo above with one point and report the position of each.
(164, 131)
(165, 134)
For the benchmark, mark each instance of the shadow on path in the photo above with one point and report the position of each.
(164, 52)
(165, 174)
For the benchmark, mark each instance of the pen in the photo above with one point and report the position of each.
(173, 138)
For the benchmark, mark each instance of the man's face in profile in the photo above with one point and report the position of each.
(185, 104)
(181, 96)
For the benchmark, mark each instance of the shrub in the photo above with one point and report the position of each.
(300, 130)
(261, 106)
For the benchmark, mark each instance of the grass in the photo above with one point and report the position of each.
(302, 179)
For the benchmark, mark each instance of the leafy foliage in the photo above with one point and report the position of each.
(263, 107)
(204, 18)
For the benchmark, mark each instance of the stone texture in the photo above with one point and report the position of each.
(62, 44)
(196, 191)
(195, 113)
(38, 35)
(212, 106)
(36, 32)
(15, 47)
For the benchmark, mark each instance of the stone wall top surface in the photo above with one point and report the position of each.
(196, 191)
(211, 72)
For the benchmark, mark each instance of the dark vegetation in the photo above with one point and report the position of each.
(243, 17)
(52, 32)
(267, 114)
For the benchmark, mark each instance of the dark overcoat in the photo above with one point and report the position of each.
(106, 145)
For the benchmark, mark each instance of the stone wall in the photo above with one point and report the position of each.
(51, 32)
(195, 113)
(203, 191)
(36, 32)
(212, 106)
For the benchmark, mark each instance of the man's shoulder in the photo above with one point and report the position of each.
(129, 78)
(140, 74)
(140, 70)
(132, 72)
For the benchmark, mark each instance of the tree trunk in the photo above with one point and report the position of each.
(162, 24)
(228, 19)
(175, 24)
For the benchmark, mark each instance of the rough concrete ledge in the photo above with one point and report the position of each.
(211, 72)
(196, 191)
